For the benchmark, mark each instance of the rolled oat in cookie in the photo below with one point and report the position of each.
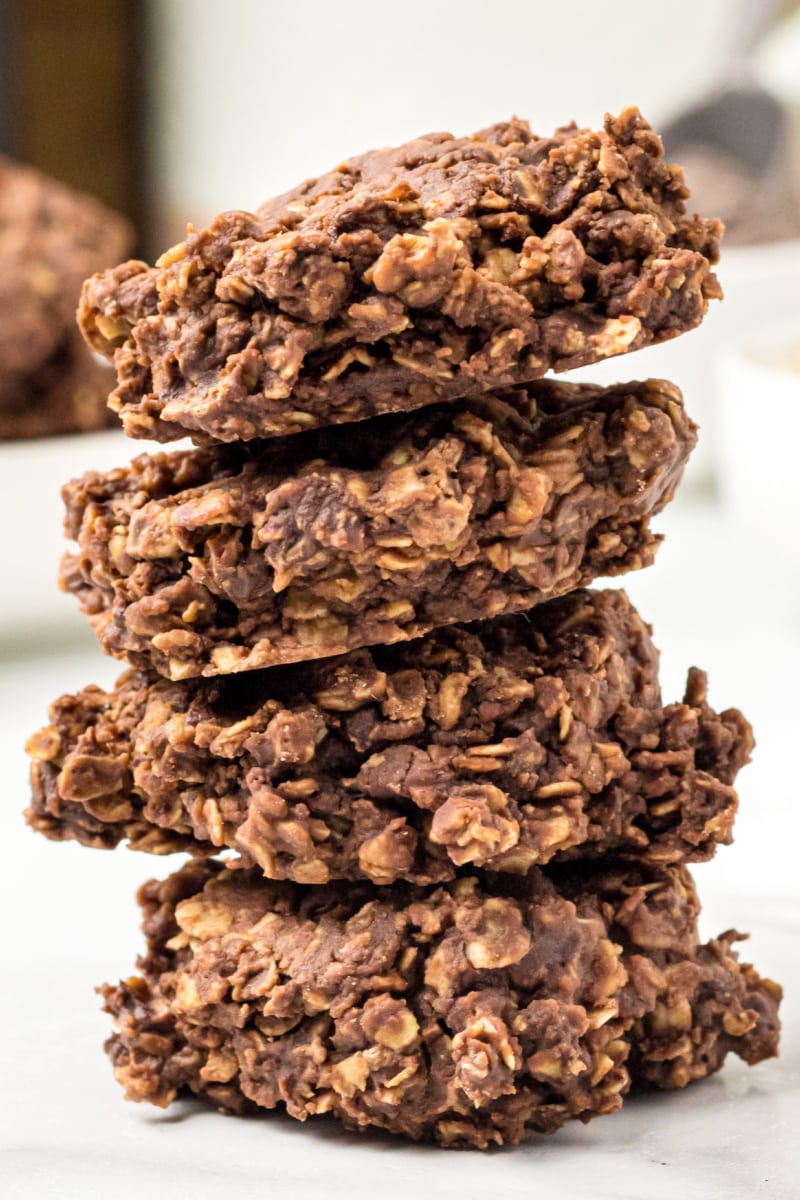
(454, 1014)
(502, 745)
(405, 277)
(221, 560)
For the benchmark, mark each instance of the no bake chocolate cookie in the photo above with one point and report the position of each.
(502, 746)
(405, 277)
(455, 1014)
(51, 238)
(227, 559)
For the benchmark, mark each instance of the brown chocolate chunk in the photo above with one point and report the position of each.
(51, 238)
(233, 558)
(501, 746)
(453, 1014)
(406, 277)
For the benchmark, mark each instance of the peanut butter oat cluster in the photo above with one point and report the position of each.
(502, 745)
(451, 811)
(227, 559)
(405, 277)
(467, 1014)
(51, 238)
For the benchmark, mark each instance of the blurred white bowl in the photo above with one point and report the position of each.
(31, 476)
(758, 436)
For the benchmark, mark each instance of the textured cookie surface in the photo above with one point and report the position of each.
(502, 745)
(51, 238)
(405, 277)
(233, 558)
(456, 1014)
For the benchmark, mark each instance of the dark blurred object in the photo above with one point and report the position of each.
(735, 146)
(71, 91)
(51, 238)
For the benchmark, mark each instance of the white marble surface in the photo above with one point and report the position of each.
(69, 922)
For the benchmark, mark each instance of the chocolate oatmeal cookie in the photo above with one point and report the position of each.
(453, 1014)
(405, 277)
(502, 746)
(226, 559)
(51, 238)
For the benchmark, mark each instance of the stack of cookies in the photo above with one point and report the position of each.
(452, 810)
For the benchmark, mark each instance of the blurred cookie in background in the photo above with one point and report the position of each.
(51, 239)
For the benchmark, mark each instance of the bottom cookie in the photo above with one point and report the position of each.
(454, 1014)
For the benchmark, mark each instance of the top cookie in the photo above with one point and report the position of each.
(406, 277)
